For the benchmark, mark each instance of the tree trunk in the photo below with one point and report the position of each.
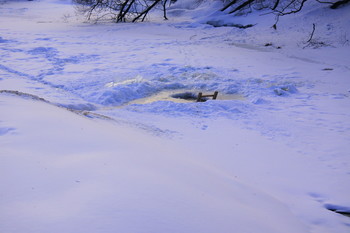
(127, 9)
(276, 4)
(164, 9)
(339, 3)
(121, 11)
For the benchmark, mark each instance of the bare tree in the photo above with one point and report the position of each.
(137, 10)
(118, 10)
(282, 7)
(277, 7)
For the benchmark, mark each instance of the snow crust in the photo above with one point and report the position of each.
(86, 146)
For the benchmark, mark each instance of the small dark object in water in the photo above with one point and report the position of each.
(270, 44)
(192, 96)
(185, 96)
(203, 98)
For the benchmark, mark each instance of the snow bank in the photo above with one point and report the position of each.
(72, 182)
(79, 152)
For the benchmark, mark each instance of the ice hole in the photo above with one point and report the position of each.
(184, 96)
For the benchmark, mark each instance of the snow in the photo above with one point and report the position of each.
(91, 139)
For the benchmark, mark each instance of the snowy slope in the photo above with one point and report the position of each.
(92, 141)
(62, 179)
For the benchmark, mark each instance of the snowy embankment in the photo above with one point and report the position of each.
(92, 141)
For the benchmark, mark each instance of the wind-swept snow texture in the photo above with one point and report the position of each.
(90, 141)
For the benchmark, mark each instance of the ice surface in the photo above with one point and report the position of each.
(92, 141)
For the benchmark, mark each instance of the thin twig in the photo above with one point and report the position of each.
(312, 33)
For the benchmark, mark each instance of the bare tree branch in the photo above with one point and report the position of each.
(312, 33)
(164, 9)
(145, 12)
(228, 5)
(293, 11)
(241, 6)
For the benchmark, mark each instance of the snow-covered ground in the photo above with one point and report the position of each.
(92, 141)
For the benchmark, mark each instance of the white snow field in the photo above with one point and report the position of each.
(92, 141)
